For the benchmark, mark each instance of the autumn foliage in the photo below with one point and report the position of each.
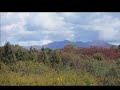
(70, 65)
(108, 53)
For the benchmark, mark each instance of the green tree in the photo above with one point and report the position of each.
(8, 54)
(119, 47)
(56, 60)
(1, 52)
(32, 54)
(42, 49)
(22, 54)
(44, 58)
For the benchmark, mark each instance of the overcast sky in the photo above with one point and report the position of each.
(41, 28)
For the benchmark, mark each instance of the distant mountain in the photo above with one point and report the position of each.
(58, 44)
(100, 43)
(82, 44)
(61, 44)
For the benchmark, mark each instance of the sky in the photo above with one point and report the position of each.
(39, 28)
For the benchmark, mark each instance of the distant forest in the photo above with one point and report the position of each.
(70, 65)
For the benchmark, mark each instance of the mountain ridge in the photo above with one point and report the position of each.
(61, 44)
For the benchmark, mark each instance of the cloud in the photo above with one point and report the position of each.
(33, 27)
(42, 42)
(107, 26)
(39, 28)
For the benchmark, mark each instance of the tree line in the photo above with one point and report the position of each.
(10, 53)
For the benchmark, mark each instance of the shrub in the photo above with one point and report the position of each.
(98, 56)
(29, 67)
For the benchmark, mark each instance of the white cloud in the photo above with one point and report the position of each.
(107, 26)
(39, 28)
(24, 43)
(115, 43)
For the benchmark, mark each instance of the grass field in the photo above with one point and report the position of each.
(14, 75)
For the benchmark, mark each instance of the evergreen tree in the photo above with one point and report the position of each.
(56, 60)
(45, 58)
(32, 54)
(1, 52)
(8, 54)
(42, 49)
(22, 54)
(119, 47)
(31, 50)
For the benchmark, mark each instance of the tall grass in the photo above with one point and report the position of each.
(25, 73)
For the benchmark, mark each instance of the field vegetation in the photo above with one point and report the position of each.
(69, 66)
